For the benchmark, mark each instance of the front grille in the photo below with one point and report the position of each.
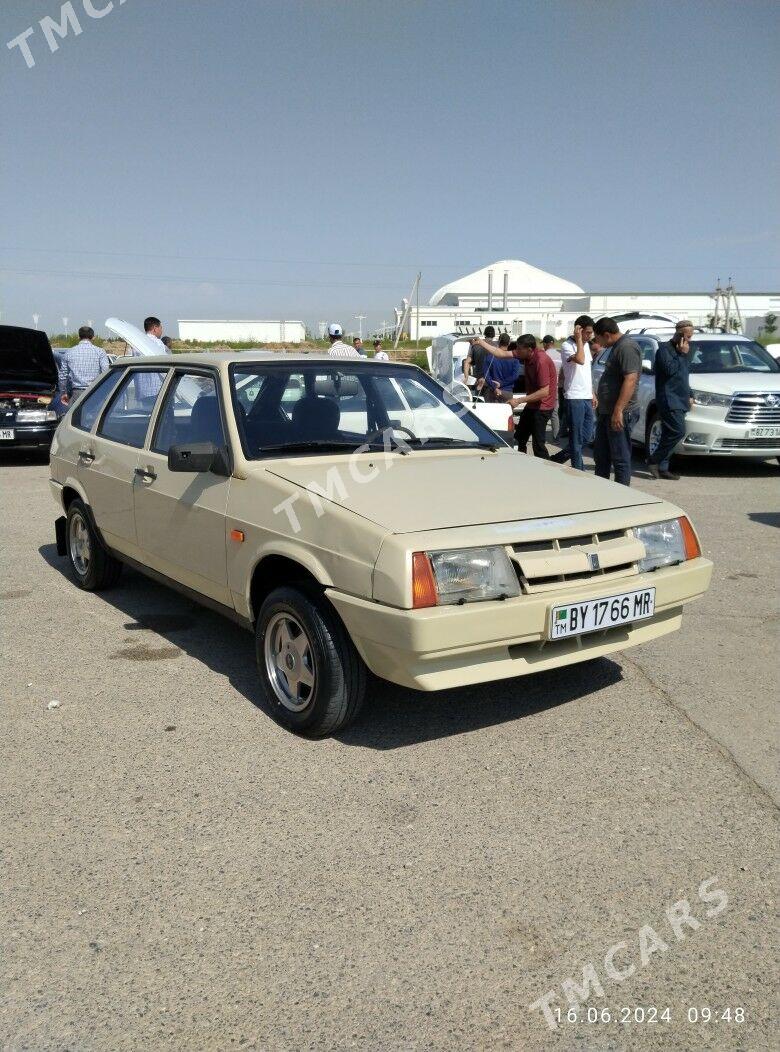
(543, 566)
(754, 408)
(750, 443)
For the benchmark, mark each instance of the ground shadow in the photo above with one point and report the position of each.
(766, 518)
(11, 457)
(392, 718)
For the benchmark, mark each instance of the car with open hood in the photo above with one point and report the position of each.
(357, 518)
(28, 387)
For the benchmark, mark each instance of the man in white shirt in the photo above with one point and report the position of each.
(339, 349)
(147, 385)
(578, 391)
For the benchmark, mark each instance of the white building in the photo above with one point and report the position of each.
(518, 298)
(243, 331)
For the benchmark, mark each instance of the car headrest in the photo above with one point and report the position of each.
(316, 417)
(205, 422)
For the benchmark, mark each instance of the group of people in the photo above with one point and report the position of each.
(339, 349)
(81, 365)
(564, 388)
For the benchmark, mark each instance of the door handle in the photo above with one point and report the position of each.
(146, 473)
(86, 456)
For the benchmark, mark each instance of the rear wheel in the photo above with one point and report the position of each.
(652, 434)
(94, 568)
(313, 679)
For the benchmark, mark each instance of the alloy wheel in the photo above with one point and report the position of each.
(654, 437)
(289, 661)
(79, 544)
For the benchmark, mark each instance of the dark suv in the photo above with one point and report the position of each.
(28, 385)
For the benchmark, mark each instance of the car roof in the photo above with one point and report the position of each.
(244, 357)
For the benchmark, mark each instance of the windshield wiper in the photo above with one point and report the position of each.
(302, 447)
(443, 440)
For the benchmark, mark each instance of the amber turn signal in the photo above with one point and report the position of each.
(692, 548)
(237, 535)
(423, 585)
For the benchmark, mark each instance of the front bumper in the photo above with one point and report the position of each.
(708, 434)
(453, 646)
(30, 436)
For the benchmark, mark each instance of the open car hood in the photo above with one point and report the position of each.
(26, 360)
(131, 334)
(432, 490)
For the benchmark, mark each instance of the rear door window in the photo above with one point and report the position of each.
(127, 418)
(87, 411)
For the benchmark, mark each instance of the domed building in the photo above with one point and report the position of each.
(516, 297)
(509, 294)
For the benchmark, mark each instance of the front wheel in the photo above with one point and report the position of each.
(313, 679)
(652, 434)
(94, 567)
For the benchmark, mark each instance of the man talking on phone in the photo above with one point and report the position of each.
(672, 397)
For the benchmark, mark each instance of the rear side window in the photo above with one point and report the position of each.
(87, 411)
(191, 413)
(127, 418)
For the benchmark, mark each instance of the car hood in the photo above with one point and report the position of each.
(730, 383)
(134, 336)
(431, 490)
(26, 360)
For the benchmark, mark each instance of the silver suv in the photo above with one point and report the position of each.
(735, 384)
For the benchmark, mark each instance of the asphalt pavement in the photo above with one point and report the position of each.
(180, 873)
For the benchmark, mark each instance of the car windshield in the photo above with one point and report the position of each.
(731, 356)
(323, 408)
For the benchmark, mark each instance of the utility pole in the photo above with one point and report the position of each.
(406, 313)
(417, 327)
(726, 299)
(360, 318)
(35, 320)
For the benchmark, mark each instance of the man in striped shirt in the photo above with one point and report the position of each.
(339, 349)
(81, 365)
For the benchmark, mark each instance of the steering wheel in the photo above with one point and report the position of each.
(392, 427)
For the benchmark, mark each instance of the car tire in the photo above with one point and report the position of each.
(653, 421)
(94, 568)
(313, 678)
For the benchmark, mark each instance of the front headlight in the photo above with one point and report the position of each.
(466, 576)
(705, 398)
(667, 543)
(35, 416)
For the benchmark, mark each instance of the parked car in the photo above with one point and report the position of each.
(28, 385)
(350, 533)
(736, 392)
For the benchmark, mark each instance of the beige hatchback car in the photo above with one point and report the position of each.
(355, 518)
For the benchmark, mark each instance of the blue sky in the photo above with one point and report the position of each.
(304, 158)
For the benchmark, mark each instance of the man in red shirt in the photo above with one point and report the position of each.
(541, 385)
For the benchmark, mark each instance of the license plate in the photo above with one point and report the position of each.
(7, 432)
(764, 432)
(594, 615)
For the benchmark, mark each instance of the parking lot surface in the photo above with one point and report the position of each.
(180, 873)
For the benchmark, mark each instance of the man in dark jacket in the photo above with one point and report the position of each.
(672, 397)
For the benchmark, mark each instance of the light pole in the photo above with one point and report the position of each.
(35, 320)
(65, 326)
(360, 318)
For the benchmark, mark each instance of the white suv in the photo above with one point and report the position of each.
(735, 385)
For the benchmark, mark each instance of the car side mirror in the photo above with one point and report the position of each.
(198, 457)
(647, 366)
